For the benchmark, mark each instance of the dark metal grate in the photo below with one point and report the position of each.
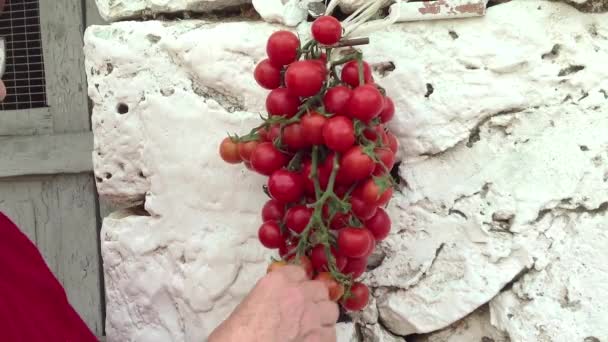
(24, 73)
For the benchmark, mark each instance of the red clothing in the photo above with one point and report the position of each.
(33, 305)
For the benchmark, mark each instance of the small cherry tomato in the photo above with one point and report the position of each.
(229, 151)
(270, 235)
(353, 242)
(386, 159)
(304, 78)
(285, 186)
(294, 137)
(297, 218)
(379, 225)
(336, 99)
(327, 30)
(362, 210)
(312, 127)
(282, 103)
(267, 75)
(358, 299)
(273, 210)
(365, 103)
(371, 193)
(282, 47)
(336, 290)
(246, 148)
(339, 133)
(266, 159)
(388, 111)
(393, 143)
(355, 267)
(355, 165)
(350, 73)
(319, 258)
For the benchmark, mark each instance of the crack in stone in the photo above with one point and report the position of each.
(579, 209)
(474, 135)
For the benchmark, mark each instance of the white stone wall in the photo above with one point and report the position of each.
(503, 125)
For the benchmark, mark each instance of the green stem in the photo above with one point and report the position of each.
(360, 67)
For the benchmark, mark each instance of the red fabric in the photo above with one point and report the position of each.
(33, 305)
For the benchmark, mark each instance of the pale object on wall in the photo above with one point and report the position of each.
(287, 12)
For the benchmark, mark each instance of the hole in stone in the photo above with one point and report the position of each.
(109, 68)
(121, 166)
(584, 148)
(167, 91)
(571, 69)
(496, 2)
(98, 179)
(453, 34)
(553, 53)
(122, 108)
(384, 68)
(429, 90)
(107, 175)
(141, 174)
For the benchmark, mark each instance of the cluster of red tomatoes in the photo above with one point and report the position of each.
(327, 154)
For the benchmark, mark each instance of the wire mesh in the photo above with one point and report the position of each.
(24, 71)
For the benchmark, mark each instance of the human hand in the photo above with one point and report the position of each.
(284, 306)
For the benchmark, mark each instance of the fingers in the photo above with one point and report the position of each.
(326, 334)
(294, 274)
(329, 313)
(315, 291)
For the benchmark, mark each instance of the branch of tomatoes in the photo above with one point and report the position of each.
(327, 153)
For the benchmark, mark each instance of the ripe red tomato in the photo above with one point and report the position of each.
(286, 186)
(362, 210)
(297, 218)
(294, 137)
(322, 174)
(355, 165)
(355, 267)
(358, 299)
(353, 242)
(266, 159)
(281, 102)
(336, 99)
(312, 127)
(319, 259)
(376, 133)
(339, 133)
(372, 244)
(339, 221)
(275, 265)
(350, 73)
(365, 103)
(246, 148)
(393, 143)
(371, 194)
(387, 160)
(282, 48)
(273, 210)
(388, 111)
(267, 75)
(263, 133)
(229, 151)
(379, 225)
(304, 78)
(327, 30)
(305, 263)
(336, 290)
(270, 235)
